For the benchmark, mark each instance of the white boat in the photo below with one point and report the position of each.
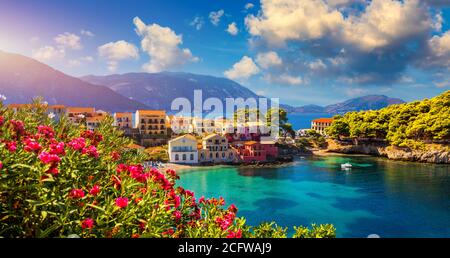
(346, 166)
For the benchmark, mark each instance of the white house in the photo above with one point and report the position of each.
(183, 149)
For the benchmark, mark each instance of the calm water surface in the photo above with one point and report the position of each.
(377, 196)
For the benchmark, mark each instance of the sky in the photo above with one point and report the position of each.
(301, 51)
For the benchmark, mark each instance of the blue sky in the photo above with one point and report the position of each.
(304, 52)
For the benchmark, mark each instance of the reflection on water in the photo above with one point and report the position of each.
(376, 196)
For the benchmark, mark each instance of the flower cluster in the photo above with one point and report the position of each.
(62, 180)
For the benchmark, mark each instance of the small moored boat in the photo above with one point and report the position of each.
(346, 166)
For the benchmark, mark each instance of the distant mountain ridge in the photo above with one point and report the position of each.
(369, 102)
(23, 78)
(158, 90)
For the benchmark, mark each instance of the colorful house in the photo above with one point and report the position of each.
(319, 125)
(179, 124)
(152, 127)
(78, 114)
(183, 149)
(123, 119)
(253, 151)
(215, 149)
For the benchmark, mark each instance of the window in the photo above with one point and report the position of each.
(192, 157)
(223, 155)
(184, 156)
(210, 155)
(177, 157)
(217, 155)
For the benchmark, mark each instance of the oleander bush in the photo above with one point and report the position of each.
(60, 180)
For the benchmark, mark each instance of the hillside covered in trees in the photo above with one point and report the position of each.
(403, 125)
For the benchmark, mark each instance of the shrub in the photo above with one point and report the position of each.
(59, 180)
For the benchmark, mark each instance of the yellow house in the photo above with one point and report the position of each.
(215, 149)
(123, 119)
(183, 149)
(152, 127)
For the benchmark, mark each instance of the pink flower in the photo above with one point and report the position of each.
(11, 146)
(189, 193)
(94, 190)
(77, 143)
(49, 158)
(202, 200)
(91, 151)
(177, 215)
(1, 165)
(237, 234)
(76, 194)
(53, 170)
(170, 231)
(115, 155)
(57, 148)
(18, 126)
(177, 201)
(31, 145)
(87, 223)
(232, 208)
(2, 121)
(122, 202)
(47, 131)
(121, 168)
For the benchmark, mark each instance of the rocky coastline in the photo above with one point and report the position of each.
(430, 155)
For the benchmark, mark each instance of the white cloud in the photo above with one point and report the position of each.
(117, 51)
(382, 23)
(48, 53)
(249, 6)
(68, 40)
(243, 69)
(162, 44)
(87, 33)
(74, 62)
(440, 45)
(439, 51)
(268, 59)
(284, 79)
(232, 29)
(386, 22)
(80, 61)
(214, 17)
(317, 65)
(282, 20)
(438, 20)
(442, 84)
(197, 23)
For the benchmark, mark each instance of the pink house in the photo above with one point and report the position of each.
(257, 151)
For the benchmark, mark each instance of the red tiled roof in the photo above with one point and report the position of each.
(323, 120)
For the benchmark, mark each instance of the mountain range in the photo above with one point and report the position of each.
(22, 78)
(369, 102)
(158, 90)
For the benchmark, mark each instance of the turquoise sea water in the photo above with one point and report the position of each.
(377, 196)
